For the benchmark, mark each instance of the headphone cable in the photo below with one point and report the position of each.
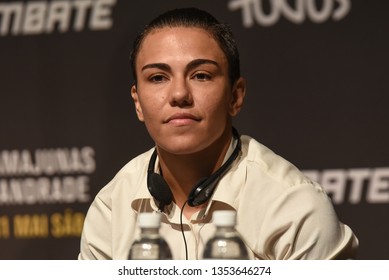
(182, 230)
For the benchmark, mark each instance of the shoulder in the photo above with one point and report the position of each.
(278, 186)
(103, 225)
(263, 162)
(290, 209)
(264, 180)
(127, 181)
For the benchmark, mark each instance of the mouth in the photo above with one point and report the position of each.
(180, 119)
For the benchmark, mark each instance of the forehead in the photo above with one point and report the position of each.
(179, 42)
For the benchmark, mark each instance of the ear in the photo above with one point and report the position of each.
(138, 107)
(238, 94)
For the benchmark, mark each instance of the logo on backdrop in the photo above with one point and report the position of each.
(370, 185)
(44, 17)
(44, 177)
(269, 12)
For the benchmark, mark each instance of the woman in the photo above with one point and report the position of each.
(187, 89)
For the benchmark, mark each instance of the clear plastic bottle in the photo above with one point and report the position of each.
(150, 246)
(226, 243)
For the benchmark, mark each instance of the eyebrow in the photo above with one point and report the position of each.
(162, 66)
(200, 61)
(193, 64)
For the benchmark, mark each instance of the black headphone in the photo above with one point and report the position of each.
(200, 193)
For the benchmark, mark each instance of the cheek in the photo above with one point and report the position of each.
(216, 104)
(151, 106)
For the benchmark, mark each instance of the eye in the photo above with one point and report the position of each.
(158, 78)
(202, 76)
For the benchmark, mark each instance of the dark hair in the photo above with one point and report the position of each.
(193, 17)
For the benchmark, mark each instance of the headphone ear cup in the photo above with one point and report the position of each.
(197, 195)
(159, 189)
(200, 193)
(205, 187)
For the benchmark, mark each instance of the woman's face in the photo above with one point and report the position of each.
(183, 92)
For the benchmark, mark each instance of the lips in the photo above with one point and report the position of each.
(182, 118)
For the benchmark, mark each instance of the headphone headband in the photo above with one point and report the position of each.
(200, 193)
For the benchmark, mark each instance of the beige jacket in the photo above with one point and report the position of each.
(281, 213)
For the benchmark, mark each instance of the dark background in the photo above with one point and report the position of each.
(317, 95)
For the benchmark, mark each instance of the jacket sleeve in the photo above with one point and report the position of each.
(95, 238)
(302, 224)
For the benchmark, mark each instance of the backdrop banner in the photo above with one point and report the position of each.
(318, 95)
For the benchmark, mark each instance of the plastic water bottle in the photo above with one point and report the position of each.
(150, 246)
(226, 243)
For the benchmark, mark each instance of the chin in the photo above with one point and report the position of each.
(183, 146)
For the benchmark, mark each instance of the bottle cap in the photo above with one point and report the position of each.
(224, 218)
(149, 220)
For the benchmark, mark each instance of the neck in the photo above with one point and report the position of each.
(182, 172)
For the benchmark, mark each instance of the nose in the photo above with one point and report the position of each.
(180, 94)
